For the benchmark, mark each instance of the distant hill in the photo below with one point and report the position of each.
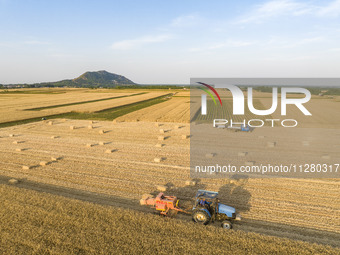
(102, 78)
(87, 80)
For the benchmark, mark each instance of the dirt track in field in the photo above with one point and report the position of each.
(262, 227)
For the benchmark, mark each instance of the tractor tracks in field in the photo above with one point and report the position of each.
(247, 225)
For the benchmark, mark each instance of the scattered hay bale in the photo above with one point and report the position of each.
(249, 163)
(158, 160)
(26, 167)
(305, 143)
(185, 137)
(161, 138)
(101, 143)
(271, 144)
(90, 127)
(242, 154)
(19, 149)
(326, 157)
(43, 163)
(89, 145)
(190, 183)
(261, 136)
(109, 151)
(72, 127)
(13, 181)
(55, 159)
(161, 131)
(161, 188)
(210, 155)
(159, 145)
(101, 132)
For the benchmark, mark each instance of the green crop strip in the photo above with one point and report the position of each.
(106, 114)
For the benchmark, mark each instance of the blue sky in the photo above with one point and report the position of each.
(168, 41)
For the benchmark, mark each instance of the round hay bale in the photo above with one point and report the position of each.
(159, 145)
(90, 127)
(326, 157)
(161, 188)
(91, 122)
(157, 124)
(161, 131)
(11, 135)
(176, 127)
(109, 151)
(161, 138)
(89, 145)
(15, 142)
(101, 132)
(72, 127)
(19, 149)
(26, 167)
(242, 154)
(261, 136)
(13, 181)
(50, 123)
(185, 137)
(101, 143)
(53, 137)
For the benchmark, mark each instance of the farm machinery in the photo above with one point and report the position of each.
(206, 208)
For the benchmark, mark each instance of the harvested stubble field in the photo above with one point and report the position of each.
(37, 223)
(301, 209)
(78, 158)
(176, 109)
(14, 107)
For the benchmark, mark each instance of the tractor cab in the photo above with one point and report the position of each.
(207, 209)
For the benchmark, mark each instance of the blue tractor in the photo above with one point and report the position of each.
(207, 209)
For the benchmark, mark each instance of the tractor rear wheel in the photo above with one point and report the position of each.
(200, 216)
(227, 224)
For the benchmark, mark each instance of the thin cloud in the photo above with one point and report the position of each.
(36, 42)
(227, 44)
(333, 9)
(138, 42)
(277, 8)
(184, 21)
(273, 9)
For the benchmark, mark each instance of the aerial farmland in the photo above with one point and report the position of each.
(103, 149)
